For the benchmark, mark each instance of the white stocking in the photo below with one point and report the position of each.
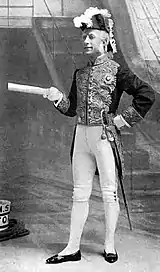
(111, 217)
(79, 216)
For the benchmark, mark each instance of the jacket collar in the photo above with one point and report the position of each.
(99, 60)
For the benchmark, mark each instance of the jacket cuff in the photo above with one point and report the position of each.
(131, 116)
(63, 103)
(119, 121)
(56, 103)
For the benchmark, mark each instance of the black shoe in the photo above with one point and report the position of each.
(55, 259)
(110, 257)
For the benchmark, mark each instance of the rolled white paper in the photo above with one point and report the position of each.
(25, 88)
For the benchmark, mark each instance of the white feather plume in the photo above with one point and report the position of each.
(86, 18)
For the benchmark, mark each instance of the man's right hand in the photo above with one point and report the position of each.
(53, 94)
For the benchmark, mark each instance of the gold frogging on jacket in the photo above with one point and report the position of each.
(95, 84)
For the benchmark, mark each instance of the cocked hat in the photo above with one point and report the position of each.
(94, 18)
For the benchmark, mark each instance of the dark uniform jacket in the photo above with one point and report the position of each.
(95, 95)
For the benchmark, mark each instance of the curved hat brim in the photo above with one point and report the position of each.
(15, 229)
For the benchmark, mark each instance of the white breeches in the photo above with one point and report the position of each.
(90, 151)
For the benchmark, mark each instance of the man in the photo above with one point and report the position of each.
(94, 98)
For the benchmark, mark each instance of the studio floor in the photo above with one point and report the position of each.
(44, 205)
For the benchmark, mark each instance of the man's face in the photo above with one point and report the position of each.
(93, 42)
